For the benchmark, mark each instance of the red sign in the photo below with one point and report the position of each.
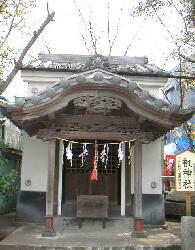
(170, 162)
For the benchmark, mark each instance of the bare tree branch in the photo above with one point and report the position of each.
(180, 82)
(188, 131)
(46, 45)
(108, 26)
(134, 37)
(181, 14)
(85, 25)
(12, 25)
(93, 37)
(85, 43)
(117, 30)
(48, 8)
(188, 59)
(18, 63)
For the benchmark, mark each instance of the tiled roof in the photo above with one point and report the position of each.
(92, 77)
(80, 63)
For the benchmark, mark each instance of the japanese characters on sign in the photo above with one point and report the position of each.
(185, 172)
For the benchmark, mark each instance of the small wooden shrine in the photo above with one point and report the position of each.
(93, 106)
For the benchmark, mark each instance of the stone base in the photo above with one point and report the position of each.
(48, 233)
(48, 223)
(153, 209)
(31, 207)
(138, 224)
(137, 234)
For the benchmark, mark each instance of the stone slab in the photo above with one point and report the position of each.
(188, 232)
(91, 237)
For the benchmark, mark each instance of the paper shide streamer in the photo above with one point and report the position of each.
(84, 153)
(104, 155)
(120, 152)
(69, 153)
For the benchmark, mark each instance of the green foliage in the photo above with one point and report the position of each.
(177, 19)
(13, 16)
(9, 185)
(3, 146)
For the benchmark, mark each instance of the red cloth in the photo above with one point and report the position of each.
(94, 174)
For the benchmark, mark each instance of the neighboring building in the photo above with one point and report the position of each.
(10, 162)
(177, 140)
(10, 135)
(92, 100)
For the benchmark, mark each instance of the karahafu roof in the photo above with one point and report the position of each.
(149, 116)
(99, 77)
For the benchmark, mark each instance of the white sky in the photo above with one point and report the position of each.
(64, 34)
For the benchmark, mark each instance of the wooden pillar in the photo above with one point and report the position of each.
(56, 177)
(49, 230)
(61, 154)
(123, 181)
(188, 204)
(138, 187)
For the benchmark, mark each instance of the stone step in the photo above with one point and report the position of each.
(141, 247)
(69, 210)
(126, 223)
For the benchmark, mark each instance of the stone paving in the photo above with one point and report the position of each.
(29, 237)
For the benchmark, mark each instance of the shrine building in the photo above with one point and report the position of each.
(94, 127)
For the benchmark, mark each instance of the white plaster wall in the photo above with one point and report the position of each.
(153, 90)
(151, 168)
(43, 79)
(152, 84)
(37, 85)
(34, 164)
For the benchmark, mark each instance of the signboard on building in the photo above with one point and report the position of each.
(185, 172)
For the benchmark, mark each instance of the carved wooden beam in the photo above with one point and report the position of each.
(93, 119)
(47, 134)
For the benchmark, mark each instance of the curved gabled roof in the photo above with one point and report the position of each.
(97, 89)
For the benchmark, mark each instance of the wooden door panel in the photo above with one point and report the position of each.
(76, 184)
(79, 184)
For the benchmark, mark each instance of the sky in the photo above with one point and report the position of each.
(64, 35)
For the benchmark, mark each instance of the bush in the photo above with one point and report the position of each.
(9, 185)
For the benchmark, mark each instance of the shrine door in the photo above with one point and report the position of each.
(76, 173)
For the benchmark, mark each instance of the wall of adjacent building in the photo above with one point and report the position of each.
(152, 197)
(151, 173)
(31, 205)
(34, 165)
(151, 168)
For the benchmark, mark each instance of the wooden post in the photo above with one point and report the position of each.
(138, 187)
(56, 177)
(188, 204)
(61, 154)
(123, 183)
(49, 230)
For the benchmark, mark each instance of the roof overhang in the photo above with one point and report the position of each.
(93, 104)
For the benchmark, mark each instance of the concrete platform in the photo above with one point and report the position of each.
(7, 224)
(90, 236)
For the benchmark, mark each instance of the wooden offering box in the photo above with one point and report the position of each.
(92, 206)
